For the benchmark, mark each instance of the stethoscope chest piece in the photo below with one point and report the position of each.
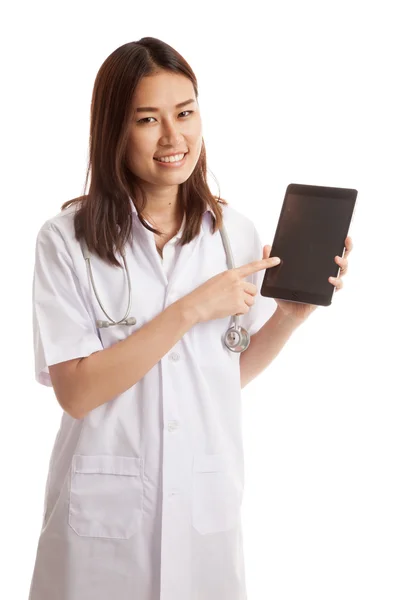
(236, 339)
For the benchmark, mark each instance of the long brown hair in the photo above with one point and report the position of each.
(104, 215)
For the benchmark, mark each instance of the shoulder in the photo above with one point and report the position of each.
(62, 223)
(57, 234)
(236, 219)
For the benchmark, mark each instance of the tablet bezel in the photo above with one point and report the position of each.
(301, 296)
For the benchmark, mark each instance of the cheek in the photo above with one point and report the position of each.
(139, 150)
(198, 144)
(195, 137)
(198, 129)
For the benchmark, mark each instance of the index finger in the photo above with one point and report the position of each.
(257, 265)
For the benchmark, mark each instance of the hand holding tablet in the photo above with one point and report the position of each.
(312, 230)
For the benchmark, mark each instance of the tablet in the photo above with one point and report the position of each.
(312, 228)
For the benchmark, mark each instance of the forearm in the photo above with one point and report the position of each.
(104, 375)
(265, 345)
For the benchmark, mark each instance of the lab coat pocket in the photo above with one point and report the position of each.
(217, 494)
(106, 496)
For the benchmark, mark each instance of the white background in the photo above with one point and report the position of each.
(290, 92)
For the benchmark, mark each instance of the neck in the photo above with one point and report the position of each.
(165, 212)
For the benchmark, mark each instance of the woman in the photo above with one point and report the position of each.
(145, 480)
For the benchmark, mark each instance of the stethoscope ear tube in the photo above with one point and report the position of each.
(110, 323)
(236, 338)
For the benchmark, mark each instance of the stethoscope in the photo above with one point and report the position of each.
(236, 338)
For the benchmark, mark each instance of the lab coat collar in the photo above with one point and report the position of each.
(178, 235)
(180, 232)
(185, 254)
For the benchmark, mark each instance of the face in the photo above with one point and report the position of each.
(165, 131)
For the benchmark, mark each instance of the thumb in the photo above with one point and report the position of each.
(266, 251)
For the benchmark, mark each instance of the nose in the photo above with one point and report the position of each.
(171, 134)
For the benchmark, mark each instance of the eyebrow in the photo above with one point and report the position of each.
(154, 109)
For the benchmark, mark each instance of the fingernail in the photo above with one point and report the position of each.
(276, 260)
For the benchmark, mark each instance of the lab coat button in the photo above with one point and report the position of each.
(174, 356)
(173, 425)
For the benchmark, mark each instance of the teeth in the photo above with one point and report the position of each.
(174, 158)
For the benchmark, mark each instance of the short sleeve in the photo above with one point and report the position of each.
(263, 307)
(63, 328)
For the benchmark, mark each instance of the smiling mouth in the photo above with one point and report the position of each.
(171, 161)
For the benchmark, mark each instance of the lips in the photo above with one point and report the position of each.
(168, 155)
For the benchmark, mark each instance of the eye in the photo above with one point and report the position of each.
(184, 111)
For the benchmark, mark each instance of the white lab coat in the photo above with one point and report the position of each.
(143, 495)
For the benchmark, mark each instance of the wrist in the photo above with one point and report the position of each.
(288, 317)
(188, 311)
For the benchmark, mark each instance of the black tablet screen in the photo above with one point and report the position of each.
(310, 233)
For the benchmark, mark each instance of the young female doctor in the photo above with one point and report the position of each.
(145, 293)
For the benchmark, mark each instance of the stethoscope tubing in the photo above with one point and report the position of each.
(236, 338)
